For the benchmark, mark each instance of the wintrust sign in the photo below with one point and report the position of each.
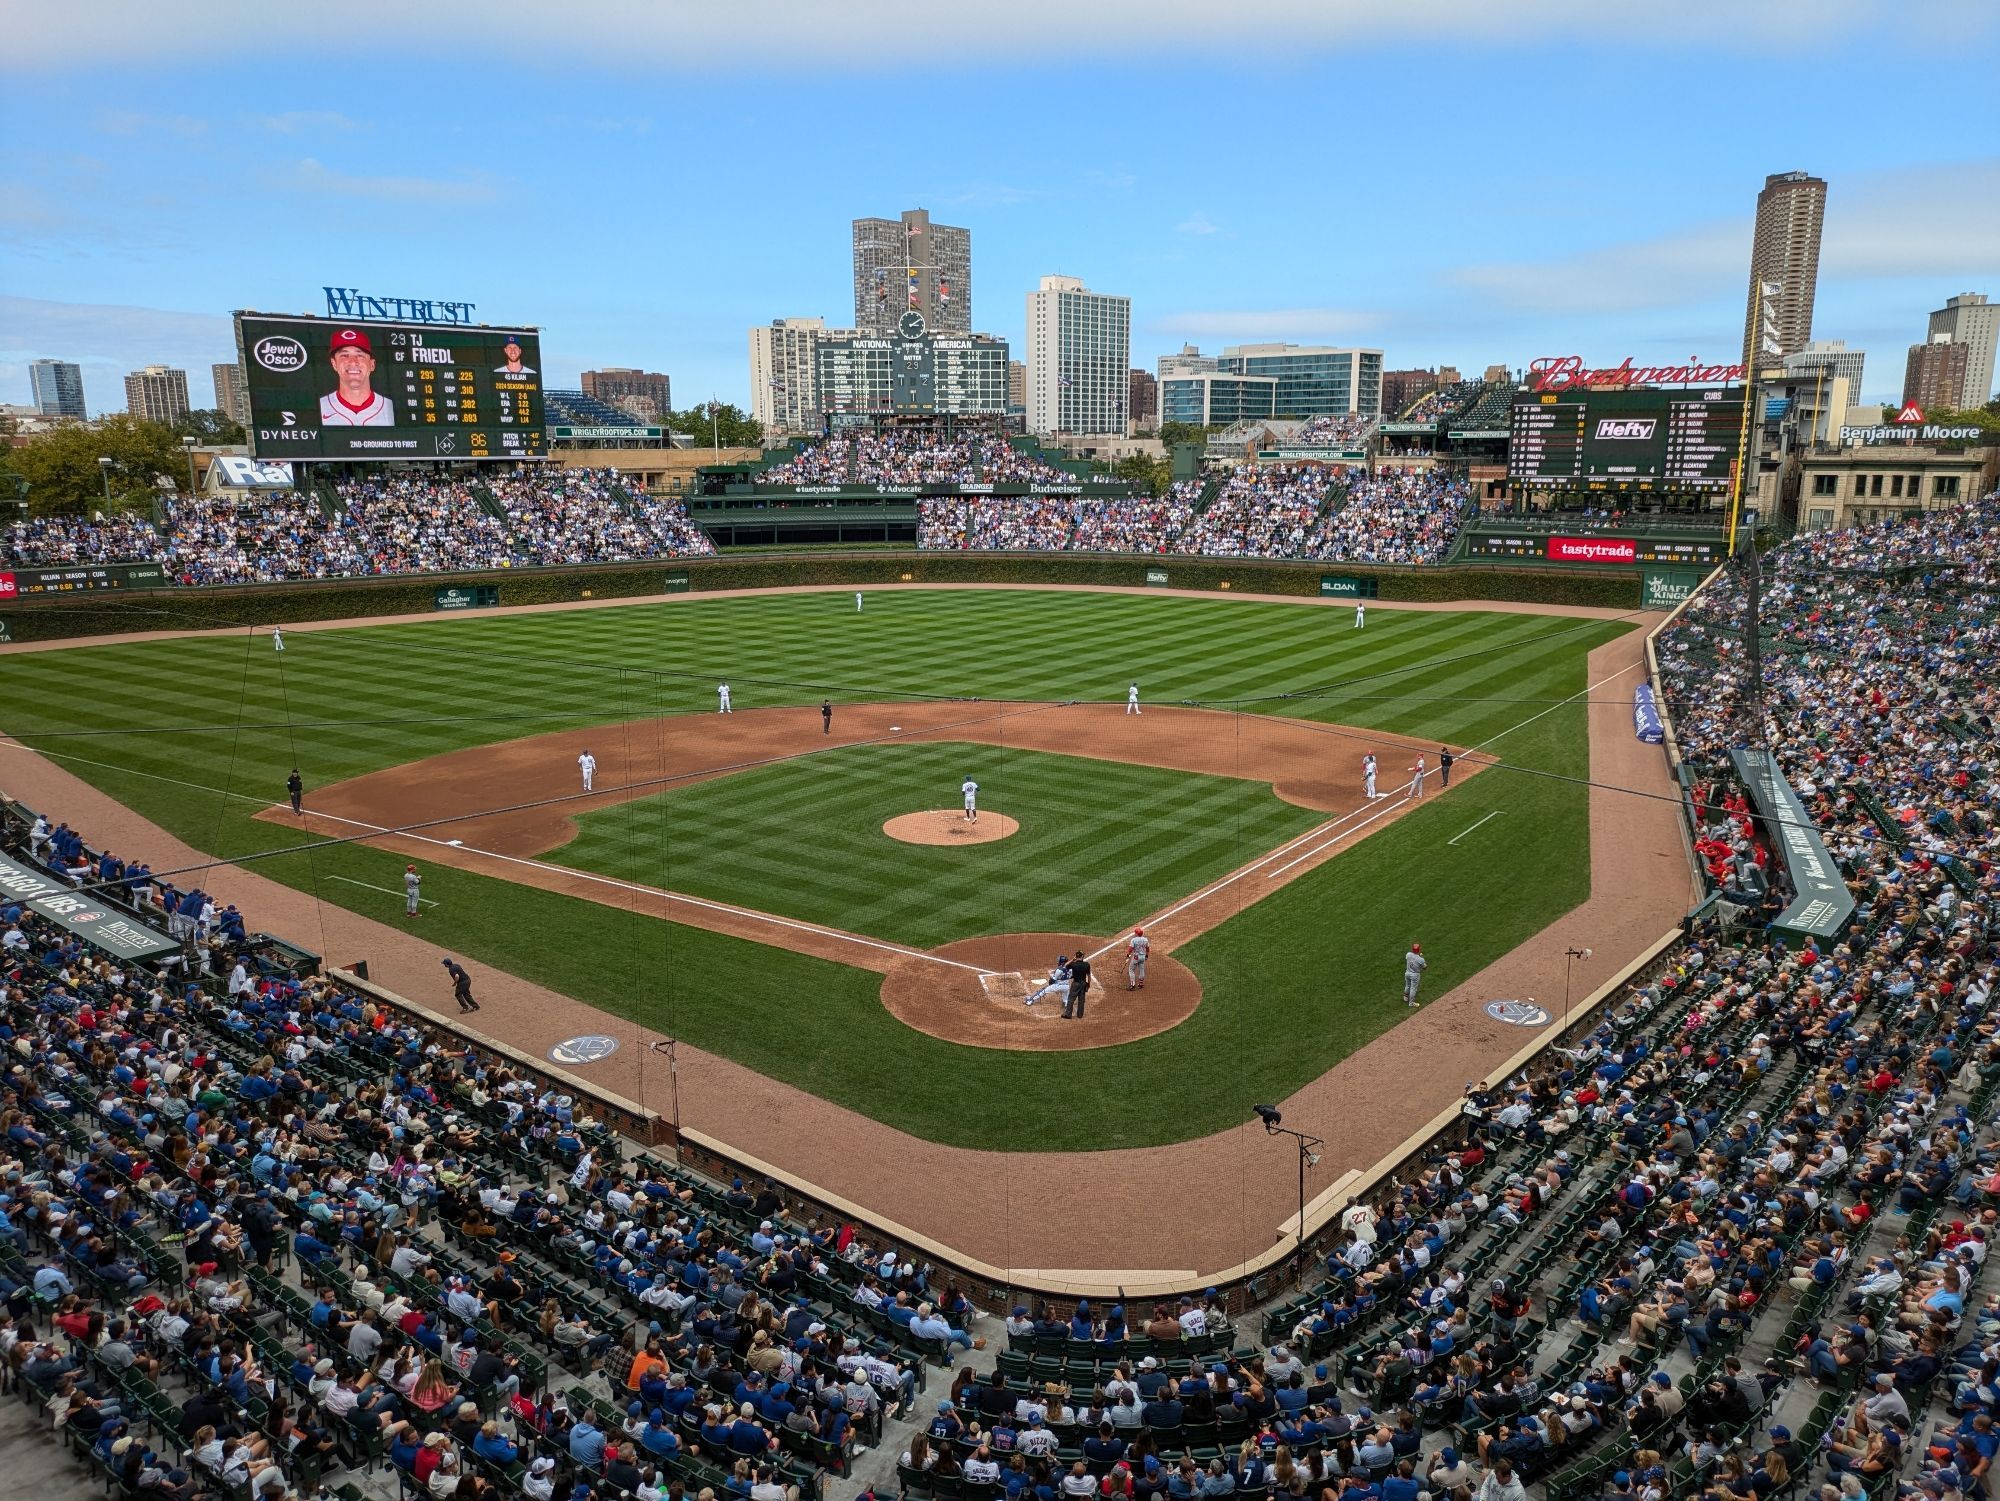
(1566, 372)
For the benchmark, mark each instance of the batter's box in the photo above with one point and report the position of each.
(1008, 985)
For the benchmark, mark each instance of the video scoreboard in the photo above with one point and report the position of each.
(327, 388)
(1626, 440)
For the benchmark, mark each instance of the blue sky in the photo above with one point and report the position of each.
(1450, 182)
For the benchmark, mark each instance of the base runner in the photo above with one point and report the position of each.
(1137, 947)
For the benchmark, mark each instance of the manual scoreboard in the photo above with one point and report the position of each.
(1626, 440)
(328, 388)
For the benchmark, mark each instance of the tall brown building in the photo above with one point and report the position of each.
(1401, 387)
(1142, 397)
(1934, 376)
(910, 265)
(647, 386)
(1017, 385)
(1785, 252)
(232, 393)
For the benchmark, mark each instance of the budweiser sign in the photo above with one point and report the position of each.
(1566, 372)
(1593, 550)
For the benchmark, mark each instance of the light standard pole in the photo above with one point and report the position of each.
(1308, 1147)
(104, 467)
(189, 443)
(1570, 956)
(667, 1045)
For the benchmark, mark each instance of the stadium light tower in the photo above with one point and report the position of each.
(1309, 1149)
(189, 442)
(1570, 956)
(104, 467)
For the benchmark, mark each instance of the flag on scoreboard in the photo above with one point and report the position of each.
(944, 292)
(915, 299)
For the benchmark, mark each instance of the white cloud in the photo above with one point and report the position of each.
(107, 339)
(133, 122)
(1251, 324)
(305, 121)
(312, 176)
(883, 33)
(1196, 223)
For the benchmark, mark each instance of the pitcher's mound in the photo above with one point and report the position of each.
(949, 826)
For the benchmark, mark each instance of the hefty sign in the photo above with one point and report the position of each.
(1593, 550)
(1620, 428)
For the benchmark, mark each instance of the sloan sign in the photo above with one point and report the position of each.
(1566, 372)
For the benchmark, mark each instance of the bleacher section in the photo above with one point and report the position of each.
(574, 409)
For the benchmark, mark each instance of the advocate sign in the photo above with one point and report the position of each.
(1824, 904)
(100, 926)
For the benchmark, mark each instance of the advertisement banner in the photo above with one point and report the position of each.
(677, 581)
(23, 583)
(1824, 903)
(1663, 588)
(1339, 586)
(1593, 550)
(1156, 578)
(100, 926)
(465, 597)
(1646, 716)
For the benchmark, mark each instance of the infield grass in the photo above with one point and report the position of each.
(198, 734)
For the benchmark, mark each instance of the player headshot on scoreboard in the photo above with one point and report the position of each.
(355, 402)
(512, 349)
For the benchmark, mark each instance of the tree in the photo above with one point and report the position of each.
(65, 478)
(1148, 475)
(1183, 432)
(728, 425)
(209, 427)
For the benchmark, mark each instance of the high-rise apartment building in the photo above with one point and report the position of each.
(1314, 381)
(1784, 255)
(1017, 386)
(908, 264)
(58, 387)
(1079, 358)
(1934, 374)
(159, 393)
(1190, 361)
(1217, 398)
(1142, 397)
(644, 393)
(232, 392)
(1973, 322)
(1828, 359)
(784, 390)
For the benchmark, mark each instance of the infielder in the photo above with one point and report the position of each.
(971, 790)
(1416, 778)
(277, 638)
(1368, 776)
(412, 885)
(722, 699)
(1137, 947)
(1414, 965)
(1058, 981)
(587, 764)
(1360, 616)
(1132, 699)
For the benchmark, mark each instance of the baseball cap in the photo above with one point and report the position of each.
(350, 338)
(514, 339)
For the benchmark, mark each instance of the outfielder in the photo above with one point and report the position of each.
(412, 885)
(857, 601)
(1132, 699)
(1360, 616)
(971, 790)
(277, 638)
(722, 699)
(587, 764)
(1414, 965)
(1416, 778)
(1368, 776)
(1137, 947)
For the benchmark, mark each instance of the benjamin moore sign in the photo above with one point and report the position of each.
(96, 924)
(1824, 903)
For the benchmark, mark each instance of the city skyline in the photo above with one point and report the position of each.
(1629, 240)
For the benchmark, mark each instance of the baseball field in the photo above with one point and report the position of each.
(730, 883)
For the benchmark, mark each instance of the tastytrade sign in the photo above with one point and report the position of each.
(1565, 372)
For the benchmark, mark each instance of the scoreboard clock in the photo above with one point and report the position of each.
(327, 388)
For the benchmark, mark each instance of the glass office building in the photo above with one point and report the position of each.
(1313, 381)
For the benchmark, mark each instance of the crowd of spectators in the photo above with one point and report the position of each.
(418, 523)
(589, 516)
(1409, 517)
(1336, 430)
(1139, 523)
(1033, 523)
(260, 537)
(56, 541)
(1001, 463)
(1442, 402)
(1261, 511)
(913, 456)
(822, 461)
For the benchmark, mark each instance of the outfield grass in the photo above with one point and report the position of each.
(198, 734)
(1101, 843)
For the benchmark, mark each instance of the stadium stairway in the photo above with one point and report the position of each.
(490, 504)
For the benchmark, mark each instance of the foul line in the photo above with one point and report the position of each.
(370, 885)
(1456, 837)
